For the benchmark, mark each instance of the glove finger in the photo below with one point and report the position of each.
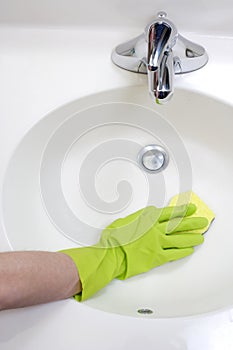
(172, 212)
(183, 225)
(181, 240)
(176, 254)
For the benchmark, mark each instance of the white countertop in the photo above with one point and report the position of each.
(42, 69)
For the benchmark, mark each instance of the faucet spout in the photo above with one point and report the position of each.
(160, 52)
(161, 37)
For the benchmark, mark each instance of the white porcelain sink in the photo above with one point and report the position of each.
(77, 170)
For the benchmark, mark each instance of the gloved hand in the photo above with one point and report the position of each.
(136, 244)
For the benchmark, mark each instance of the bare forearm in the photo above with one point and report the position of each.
(28, 278)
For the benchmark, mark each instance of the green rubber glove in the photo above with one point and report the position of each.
(136, 244)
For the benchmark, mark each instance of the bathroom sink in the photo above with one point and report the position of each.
(78, 169)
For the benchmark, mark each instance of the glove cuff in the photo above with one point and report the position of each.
(96, 267)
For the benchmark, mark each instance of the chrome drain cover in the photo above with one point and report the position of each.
(153, 158)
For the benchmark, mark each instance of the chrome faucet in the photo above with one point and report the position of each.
(160, 52)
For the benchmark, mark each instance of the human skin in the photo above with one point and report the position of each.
(35, 277)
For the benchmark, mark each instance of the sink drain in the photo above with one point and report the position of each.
(145, 311)
(153, 158)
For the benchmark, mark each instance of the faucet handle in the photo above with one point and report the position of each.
(161, 35)
(161, 22)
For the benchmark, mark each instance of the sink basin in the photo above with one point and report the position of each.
(77, 170)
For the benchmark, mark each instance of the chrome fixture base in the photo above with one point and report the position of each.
(160, 52)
